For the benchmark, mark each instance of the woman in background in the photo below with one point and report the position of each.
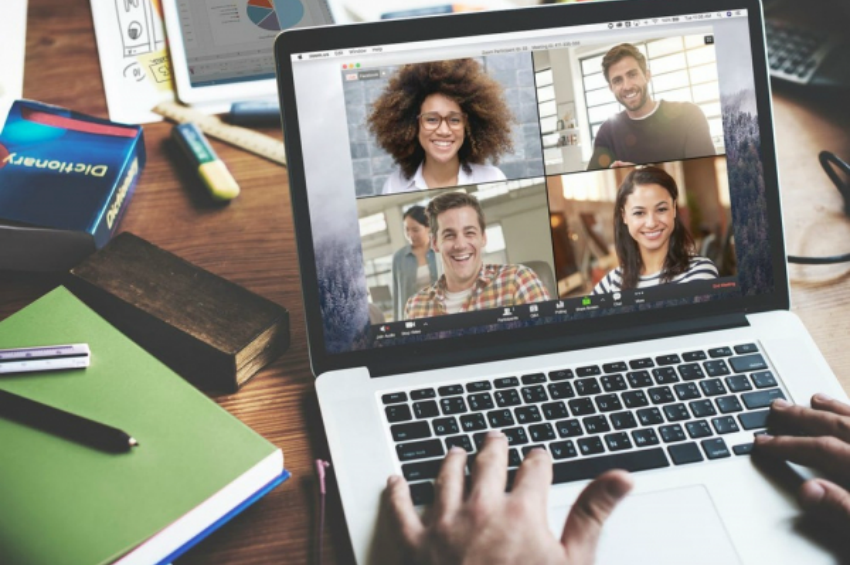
(415, 264)
(653, 245)
(441, 122)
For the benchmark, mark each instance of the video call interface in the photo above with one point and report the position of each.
(555, 178)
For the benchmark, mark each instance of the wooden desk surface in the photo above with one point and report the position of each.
(251, 242)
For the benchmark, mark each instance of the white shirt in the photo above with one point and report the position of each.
(455, 300)
(479, 174)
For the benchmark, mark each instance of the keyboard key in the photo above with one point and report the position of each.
(398, 412)
(479, 439)
(617, 367)
(623, 420)
(717, 368)
(676, 412)
(728, 404)
(527, 414)
(541, 432)
(473, 422)
(420, 450)
(590, 445)
(746, 348)
(743, 449)
(650, 416)
(665, 375)
(618, 441)
(738, 383)
(581, 407)
(639, 379)
(635, 399)
(478, 386)
(672, 433)
(693, 356)
(761, 399)
(596, 424)
(636, 364)
(685, 453)
(500, 418)
(508, 397)
(516, 436)
(725, 425)
(422, 493)
(409, 432)
(661, 395)
(592, 467)
(422, 470)
(422, 394)
(394, 397)
(425, 409)
(720, 352)
(528, 448)
(480, 401)
(763, 379)
(663, 360)
(534, 379)
(712, 388)
(514, 460)
(645, 438)
(608, 402)
(533, 394)
(748, 363)
(506, 382)
(702, 408)
(459, 441)
(561, 390)
(569, 428)
(445, 426)
(691, 372)
(687, 391)
(589, 371)
(754, 420)
(450, 390)
(563, 450)
(613, 383)
(453, 405)
(698, 429)
(715, 448)
(586, 387)
(555, 410)
(561, 375)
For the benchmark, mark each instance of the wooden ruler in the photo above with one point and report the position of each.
(243, 138)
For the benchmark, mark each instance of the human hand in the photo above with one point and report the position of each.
(487, 525)
(616, 164)
(816, 437)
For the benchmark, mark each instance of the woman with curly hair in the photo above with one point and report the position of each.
(441, 122)
(653, 245)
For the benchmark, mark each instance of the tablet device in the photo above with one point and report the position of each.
(221, 52)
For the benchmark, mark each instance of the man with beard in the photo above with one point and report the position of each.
(647, 131)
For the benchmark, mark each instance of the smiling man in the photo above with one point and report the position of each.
(458, 236)
(646, 131)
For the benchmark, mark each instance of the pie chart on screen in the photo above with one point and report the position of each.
(275, 15)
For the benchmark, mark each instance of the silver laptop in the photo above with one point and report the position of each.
(562, 222)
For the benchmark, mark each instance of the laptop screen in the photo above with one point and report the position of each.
(542, 177)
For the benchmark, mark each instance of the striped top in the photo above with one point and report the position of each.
(700, 269)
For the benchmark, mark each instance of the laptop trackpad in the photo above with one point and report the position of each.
(672, 527)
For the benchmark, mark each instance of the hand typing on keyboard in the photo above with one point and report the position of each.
(817, 437)
(487, 525)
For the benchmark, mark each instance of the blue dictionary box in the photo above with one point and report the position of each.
(66, 180)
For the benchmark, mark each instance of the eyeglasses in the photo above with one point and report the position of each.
(430, 121)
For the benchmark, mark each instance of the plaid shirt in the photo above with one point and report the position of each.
(497, 286)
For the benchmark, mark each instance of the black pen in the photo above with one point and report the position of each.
(69, 426)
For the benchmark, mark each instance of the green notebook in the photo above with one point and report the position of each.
(61, 502)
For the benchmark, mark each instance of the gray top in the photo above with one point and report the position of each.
(404, 277)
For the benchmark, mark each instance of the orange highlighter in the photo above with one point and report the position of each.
(218, 180)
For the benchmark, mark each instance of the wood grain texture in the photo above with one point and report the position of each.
(251, 242)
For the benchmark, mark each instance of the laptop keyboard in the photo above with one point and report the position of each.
(635, 414)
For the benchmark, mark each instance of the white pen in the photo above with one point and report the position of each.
(44, 358)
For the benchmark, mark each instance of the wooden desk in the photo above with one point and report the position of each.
(251, 242)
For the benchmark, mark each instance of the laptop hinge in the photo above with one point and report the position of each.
(567, 343)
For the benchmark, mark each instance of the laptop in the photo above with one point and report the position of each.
(551, 155)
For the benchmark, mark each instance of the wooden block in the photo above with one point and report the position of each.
(214, 333)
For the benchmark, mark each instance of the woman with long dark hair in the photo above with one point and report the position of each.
(653, 245)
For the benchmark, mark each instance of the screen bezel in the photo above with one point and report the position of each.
(548, 337)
